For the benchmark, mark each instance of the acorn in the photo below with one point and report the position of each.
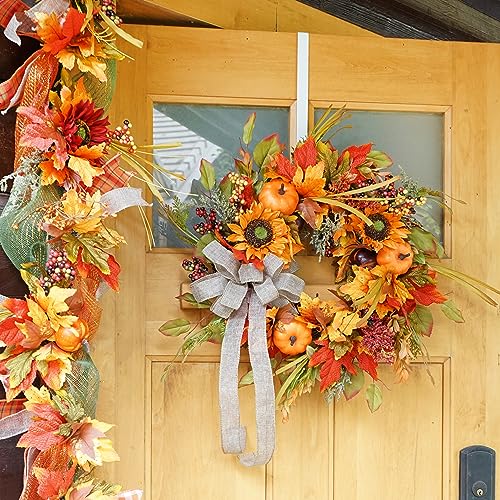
(364, 257)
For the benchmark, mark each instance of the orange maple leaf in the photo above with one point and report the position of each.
(57, 36)
(311, 182)
(53, 484)
(42, 432)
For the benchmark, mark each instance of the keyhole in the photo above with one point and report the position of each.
(479, 489)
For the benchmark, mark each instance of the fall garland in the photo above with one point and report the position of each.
(348, 208)
(67, 185)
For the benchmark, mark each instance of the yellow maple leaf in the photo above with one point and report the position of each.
(54, 304)
(91, 445)
(85, 215)
(311, 182)
(37, 396)
(53, 364)
(343, 324)
(84, 168)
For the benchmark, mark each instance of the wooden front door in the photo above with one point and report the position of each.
(167, 431)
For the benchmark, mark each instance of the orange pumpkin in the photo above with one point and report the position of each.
(70, 338)
(396, 260)
(280, 196)
(292, 338)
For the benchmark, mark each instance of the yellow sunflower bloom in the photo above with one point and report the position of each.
(387, 229)
(261, 231)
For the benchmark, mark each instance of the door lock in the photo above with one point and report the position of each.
(477, 473)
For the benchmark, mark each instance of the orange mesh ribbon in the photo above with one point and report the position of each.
(54, 459)
(41, 76)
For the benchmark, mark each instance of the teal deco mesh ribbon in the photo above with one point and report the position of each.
(83, 381)
(102, 92)
(21, 238)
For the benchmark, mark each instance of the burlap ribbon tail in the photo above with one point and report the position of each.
(243, 292)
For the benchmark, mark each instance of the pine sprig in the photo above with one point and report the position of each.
(321, 238)
(216, 200)
(336, 390)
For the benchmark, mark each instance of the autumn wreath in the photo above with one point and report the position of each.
(347, 207)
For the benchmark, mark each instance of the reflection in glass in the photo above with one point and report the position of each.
(206, 132)
(415, 143)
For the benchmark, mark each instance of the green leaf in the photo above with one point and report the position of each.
(379, 159)
(421, 319)
(189, 298)
(248, 129)
(330, 158)
(91, 254)
(310, 350)
(426, 242)
(355, 385)
(373, 397)
(207, 174)
(419, 258)
(266, 149)
(452, 312)
(203, 242)
(247, 379)
(175, 327)
(19, 367)
(340, 350)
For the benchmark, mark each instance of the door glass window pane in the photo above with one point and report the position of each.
(413, 140)
(206, 132)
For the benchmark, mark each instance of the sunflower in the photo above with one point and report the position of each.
(261, 231)
(386, 230)
(72, 133)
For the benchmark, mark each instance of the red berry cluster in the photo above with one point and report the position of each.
(198, 269)
(59, 269)
(210, 224)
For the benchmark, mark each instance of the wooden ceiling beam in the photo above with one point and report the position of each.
(427, 19)
(460, 16)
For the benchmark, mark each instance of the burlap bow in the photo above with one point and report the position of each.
(242, 292)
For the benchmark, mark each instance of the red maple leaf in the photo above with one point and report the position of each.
(283, 167)
(84, 268)
(53, 484)
(306, 155)
(428, 294)
(331, 368)
(368, 364)
(42, 432)
(358, 154)
(10, 333)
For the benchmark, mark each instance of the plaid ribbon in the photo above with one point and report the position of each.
(9, 408)
(8, 8)
(113, 177)
(9, 90)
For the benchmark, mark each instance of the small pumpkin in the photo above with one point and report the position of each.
(292, 338)
(396, 260)
(280, 196)
(70, 338)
